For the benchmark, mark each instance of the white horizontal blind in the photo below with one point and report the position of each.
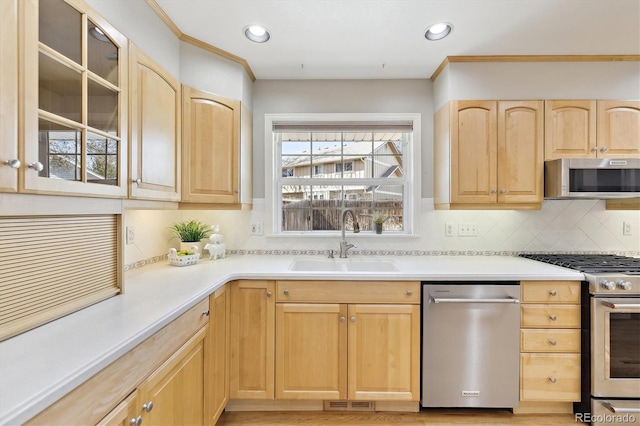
(343, 126)
(52, 266)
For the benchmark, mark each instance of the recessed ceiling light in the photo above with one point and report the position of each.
(438, 31)
(257, 33)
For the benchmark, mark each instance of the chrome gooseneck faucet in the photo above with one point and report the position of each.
(344, 246)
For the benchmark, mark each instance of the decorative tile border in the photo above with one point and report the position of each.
(261, 252)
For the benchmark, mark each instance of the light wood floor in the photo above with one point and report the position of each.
(425, 417)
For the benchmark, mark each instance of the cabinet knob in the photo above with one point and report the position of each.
(14, 164)
(353, 319)
(503, 191)
(594, 149)
(136, 421)
(603, 149)
(552, 342)
(206, 313)
(148, 406)
(494, 191)
(286, 292)
(552, 379)
(137, 181)
(409, 293)
(553, 317)
(552, 293)
(342, 319)
(37, 166)
(235, 191)
(269, 294)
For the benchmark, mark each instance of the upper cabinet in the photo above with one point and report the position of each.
(73, 100)
(154, 130)
(489, 154)
(216, 149)
(592, 129)
(9, 162)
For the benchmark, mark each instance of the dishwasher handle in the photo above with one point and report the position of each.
(460, 300)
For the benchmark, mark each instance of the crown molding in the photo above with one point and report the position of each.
(196, 42)
(534, 58)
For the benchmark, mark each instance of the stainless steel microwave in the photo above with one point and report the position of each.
(592, 178)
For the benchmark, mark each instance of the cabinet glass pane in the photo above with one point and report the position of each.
(60, 151)
(60, 88)
(60, 27)
(102, 105)
(102, 54)
(102, 159)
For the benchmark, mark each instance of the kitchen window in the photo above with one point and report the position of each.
(319, 165)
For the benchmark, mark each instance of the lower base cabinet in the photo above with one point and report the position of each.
(216, 366)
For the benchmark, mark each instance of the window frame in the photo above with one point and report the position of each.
(273, 169)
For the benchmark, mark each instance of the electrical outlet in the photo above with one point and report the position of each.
(130, 235)
(467, 230)
(257, 228)
(449, 229)
(626, 229)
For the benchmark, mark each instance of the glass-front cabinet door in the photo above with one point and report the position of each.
(75, 89)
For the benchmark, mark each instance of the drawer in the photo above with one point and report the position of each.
(549, 340)
(550, 291)
(550, 377)
(349, 291)
(550, 316)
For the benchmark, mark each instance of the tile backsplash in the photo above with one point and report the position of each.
(560, 226)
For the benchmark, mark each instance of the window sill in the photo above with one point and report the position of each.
(349, 235)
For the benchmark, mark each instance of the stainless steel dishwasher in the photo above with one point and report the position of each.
(470, 344)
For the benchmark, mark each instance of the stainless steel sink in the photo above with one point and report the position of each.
(343, 265)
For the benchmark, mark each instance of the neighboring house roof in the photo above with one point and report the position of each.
(332, 155)
(386, 174)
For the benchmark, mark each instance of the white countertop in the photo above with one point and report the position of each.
(40, 366)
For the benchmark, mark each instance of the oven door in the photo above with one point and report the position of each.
(615, 347)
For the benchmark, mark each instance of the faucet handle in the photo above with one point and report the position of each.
(330, 254)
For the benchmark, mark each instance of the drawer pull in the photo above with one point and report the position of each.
(206, 313)
(552, 292)
(553, 317)
(409, 293)
(552, 342)
(552, 379)
(286, 292)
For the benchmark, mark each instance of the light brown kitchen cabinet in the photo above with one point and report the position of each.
(216, 150)
(592, 129)
(174, 393)
(72, 137)
(550, 341)
(9, 162)
(330, 346)
(127, 413)
(489, 154)
(216, 367)
(154, 130)
(251, 371)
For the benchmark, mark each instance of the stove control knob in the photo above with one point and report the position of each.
(624, 285)
(608, 285)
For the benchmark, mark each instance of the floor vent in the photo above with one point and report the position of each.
(349, 406)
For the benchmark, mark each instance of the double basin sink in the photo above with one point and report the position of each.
(343, 265)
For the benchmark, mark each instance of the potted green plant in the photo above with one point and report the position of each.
(378, 220)
(190, 233)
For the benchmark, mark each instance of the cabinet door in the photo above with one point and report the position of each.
(125, 414)
(311, 351)
(570, 129)
(384, 352)
(619, 129)
(252, 348)
(74, 101)
(210, 148)
(520, 151)
(173, 394)
(473, 152)
(155, 130)
(9, 96)
(216, 367)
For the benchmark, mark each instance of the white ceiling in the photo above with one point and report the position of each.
(385, 38)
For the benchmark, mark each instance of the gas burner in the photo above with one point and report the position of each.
(590, 263)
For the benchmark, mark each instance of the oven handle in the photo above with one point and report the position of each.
(442, 300)
(609, 405)
(617, 305)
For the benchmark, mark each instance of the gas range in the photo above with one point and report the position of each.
(607, 274)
